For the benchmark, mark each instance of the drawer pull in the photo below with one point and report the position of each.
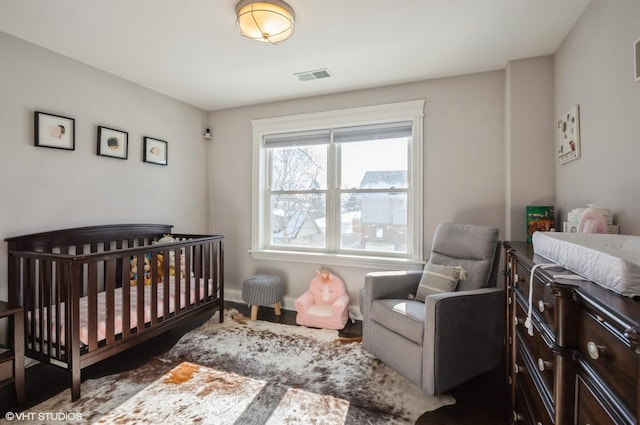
(516, 279)
(517, 368)
(543, 365)
(517, 417)
(509, 380)
(520, 321)
(596, 351)
(510, 340)
(543, 306)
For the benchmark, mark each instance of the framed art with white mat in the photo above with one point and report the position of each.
(568, 130)
(636, 52)
(155, 151)
(113, 143)
(54, 131)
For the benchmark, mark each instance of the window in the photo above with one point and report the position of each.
(345, 184)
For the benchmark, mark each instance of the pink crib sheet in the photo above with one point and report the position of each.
(118, 317)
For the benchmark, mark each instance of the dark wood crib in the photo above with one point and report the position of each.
(84, 301)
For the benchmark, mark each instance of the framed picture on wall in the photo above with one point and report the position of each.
(54, 131)
(568, 136)
(155, 151)
(113, 143)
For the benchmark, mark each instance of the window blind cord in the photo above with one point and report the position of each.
(528, 323)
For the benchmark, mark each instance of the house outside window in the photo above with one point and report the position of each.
(346, 185)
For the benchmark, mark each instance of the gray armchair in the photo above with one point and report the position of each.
(452, 336)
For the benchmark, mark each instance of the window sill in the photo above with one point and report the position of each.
(359, 261)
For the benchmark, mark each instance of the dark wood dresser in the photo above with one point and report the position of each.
(581, 365)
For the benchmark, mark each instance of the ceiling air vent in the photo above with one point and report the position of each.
(313, 75)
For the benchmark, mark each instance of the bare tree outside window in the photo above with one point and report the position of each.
(298, 195)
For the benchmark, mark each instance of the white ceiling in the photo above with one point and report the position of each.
(191, 50)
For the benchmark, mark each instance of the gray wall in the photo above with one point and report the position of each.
(463, 156)
(46, 189)
(594, 68)
(529, 143)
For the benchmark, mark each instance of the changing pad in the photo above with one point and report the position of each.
(610, 260)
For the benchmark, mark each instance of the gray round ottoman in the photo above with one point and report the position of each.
(262, 289)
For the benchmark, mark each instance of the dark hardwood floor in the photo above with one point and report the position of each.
(482, 401)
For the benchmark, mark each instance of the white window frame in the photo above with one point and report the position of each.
(404, 111)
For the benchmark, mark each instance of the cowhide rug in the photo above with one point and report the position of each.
(308, 370)
(191, 393)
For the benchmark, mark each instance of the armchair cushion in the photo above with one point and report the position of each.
(471, 247)
(437, 279)
(404, 317)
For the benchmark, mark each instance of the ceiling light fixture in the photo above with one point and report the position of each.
(268, 21)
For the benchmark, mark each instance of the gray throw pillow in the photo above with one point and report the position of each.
(437, 279)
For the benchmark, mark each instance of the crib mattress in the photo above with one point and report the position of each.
(118, 313)
(610, 260)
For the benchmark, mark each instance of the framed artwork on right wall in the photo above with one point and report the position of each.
(636, 51)
(569, 136)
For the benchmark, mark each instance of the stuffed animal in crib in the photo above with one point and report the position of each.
(133, 274)
(172, 265)
(166, 238)
(172, 256)
(325, 304)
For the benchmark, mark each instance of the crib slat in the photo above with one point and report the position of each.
(59, 298)
(29, 298)
(166, 282)
(220, 286)
(110, 288)
(119, 261)
(154, 301)
(140, 294)
(165, 300)
(73, 342)
(13, 271)
(180, 271)
(38, 297)
(187, 274)
(176, 284)
(126, 299)
(207, 270)
(214, 257)
(197, 254)
(46, 302)
(92, 301)
(154, 288)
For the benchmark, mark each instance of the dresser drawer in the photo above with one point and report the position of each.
(529, 407)
(609, 356)
(590, 409)
(538, 351)
(543, 300)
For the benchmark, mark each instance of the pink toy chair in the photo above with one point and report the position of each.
(325, 304)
